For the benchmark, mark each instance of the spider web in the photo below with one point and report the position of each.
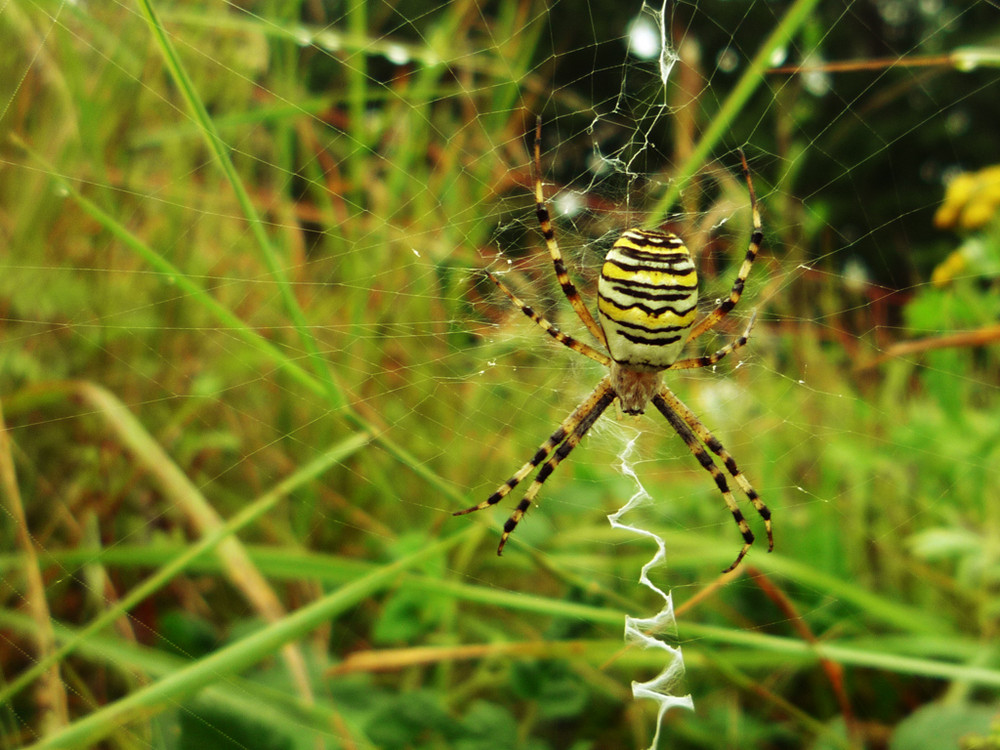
(649, 34)
(385, 152)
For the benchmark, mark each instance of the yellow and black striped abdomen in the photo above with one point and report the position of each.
(647, 299)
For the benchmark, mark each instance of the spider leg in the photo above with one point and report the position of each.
(567, 427)
(592, 408)
(756, 239)
(562, 338)
(681, 428)
(548, 233)
(718, 449)
(710, 359)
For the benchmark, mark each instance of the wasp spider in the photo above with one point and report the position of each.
(647, 302)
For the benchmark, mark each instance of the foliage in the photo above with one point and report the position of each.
(249, 369)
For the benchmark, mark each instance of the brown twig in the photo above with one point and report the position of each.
(979, 337)
(834, 672)
(50, 692)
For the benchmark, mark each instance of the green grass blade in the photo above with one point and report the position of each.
(182, 281)
(334, 455)
(244, 653)
(733, 105)
(221, 153)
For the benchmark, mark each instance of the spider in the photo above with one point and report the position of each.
(647, 299)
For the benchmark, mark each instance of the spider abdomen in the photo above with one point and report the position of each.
(647, 299)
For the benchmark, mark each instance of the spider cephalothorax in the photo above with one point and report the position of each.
(647, 300)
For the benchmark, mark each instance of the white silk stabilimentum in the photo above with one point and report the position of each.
(644, 631)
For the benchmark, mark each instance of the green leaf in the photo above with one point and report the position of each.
(207, 725)
(941, 726)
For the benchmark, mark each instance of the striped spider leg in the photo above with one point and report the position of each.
(647, 303)
(545, 325)
(756, 240)
(548, 233)
(708, 360)
(567, 436)
(688, 426)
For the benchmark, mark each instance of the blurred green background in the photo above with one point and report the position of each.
(250, 366)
